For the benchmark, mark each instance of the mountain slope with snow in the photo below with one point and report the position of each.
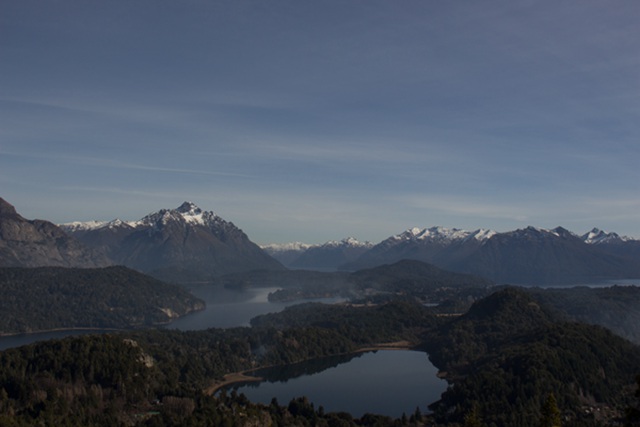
(330, 255)
(182, 244)
(525, 256)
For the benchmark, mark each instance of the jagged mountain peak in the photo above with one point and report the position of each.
(290, 246)
(533, 232)
(436, 234)
(118, 223)
(347, 242)
(181, 244)
(186, 213)
(482, 234)
(597, 236)
(189, 208)
(443, 234)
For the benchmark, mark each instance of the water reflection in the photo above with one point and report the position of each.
(288, 372)
(226, 308)
(389, 382)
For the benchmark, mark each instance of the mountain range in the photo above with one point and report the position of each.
(327, 256)
(524, 256)
(189, 244)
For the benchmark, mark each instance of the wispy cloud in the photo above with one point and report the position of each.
(119, 164)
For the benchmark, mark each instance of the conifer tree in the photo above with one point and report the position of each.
(472, 419)
(550, 413)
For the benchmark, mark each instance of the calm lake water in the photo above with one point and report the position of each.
(226, 308)
(383, 382)
(386, 382)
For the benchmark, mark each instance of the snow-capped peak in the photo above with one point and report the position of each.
(349, 242)
(82, 226)
(283, 247)
(597, 236)
(482, 234)
(439, 234)
(118, 223)
(192, 213)
(188, 212)
(189, 208)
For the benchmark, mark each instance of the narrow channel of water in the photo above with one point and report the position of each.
(226, 308)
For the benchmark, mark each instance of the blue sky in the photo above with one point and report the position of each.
(310, 121)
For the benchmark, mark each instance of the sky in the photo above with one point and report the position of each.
(301, 120)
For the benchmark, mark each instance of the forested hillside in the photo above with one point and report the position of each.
(508, 359)
(616, 308)
(509, 353)
(37, 299)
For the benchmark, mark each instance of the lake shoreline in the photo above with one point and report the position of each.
(242, 377)
(47, 331)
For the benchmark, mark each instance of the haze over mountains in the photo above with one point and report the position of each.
(327, 256)
(189, 244)
(524, 256)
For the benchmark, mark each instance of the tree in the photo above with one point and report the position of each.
(550, 413)
(472, 419)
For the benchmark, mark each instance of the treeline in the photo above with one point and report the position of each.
(36, 299)
(394, 321)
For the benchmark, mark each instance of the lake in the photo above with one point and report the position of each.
(226, 308)
(385, 382)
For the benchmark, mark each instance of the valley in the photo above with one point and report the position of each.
(196, 301)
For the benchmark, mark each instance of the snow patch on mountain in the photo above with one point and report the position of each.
(351, 242)
(597, 236)
(482, 234)
(442, 234)
(81, 226)
(283, 247)
(347, 242)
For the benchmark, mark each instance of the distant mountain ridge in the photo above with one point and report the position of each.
(529, 255)
(189, 244)
(327, 256)
(525, 256)
(179, 244)
(597, 236)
